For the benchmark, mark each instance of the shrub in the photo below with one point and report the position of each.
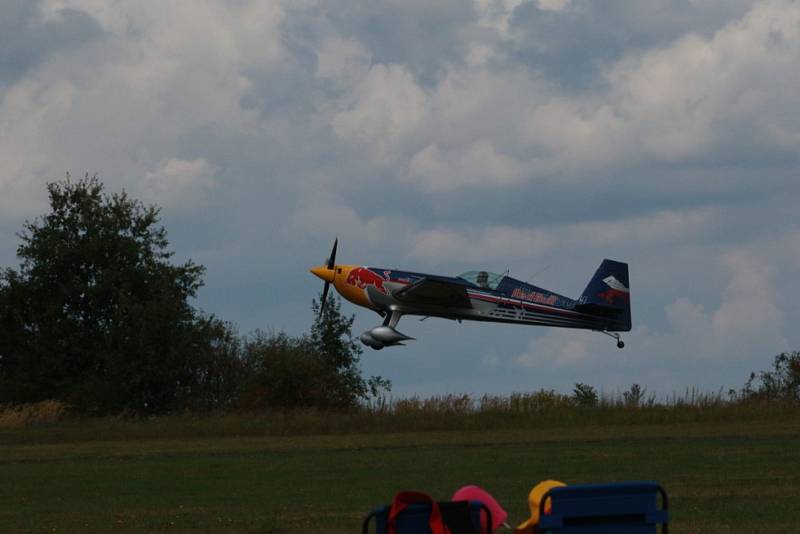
(781, 383)
(585, 395)
(48, 411)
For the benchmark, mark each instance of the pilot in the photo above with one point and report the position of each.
(483, 280)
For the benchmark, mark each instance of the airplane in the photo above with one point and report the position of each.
(604, 306)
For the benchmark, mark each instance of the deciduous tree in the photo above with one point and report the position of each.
(97, 315)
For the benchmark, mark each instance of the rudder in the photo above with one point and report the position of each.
(608, 295)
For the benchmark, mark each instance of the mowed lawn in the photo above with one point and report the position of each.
(720, 476)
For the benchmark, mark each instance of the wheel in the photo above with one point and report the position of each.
(620, 344)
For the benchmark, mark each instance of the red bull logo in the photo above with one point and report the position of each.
(533, 296)
(362, 277)
(616, 290)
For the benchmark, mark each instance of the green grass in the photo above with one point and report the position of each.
(726, 470)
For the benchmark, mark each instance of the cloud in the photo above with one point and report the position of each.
(749, 307)
(699, 96)
(478, 165)
(29, 35)
(718, 347)
(552, 5)
(443, 245)
(322, 216)
(175, 180)
(387, 108)
(576, 43)
(345, 61)
(686, 98)
(124, 104)
(555, 350)
(476, 243)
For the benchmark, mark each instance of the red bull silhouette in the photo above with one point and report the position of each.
(616, 290)
(361, 277)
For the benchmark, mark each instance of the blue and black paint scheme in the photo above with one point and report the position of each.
(484, 296)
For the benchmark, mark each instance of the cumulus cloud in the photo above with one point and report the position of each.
(716, 347)
(176, 180)
(322, 216)
(387, 108)
(29, 35)
(749, 307)
(686, 98)
(696, 97)
(345, 61)
(129, 98)
(478, 165)
(656, 230)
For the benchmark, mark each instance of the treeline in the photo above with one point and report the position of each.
(99, 318)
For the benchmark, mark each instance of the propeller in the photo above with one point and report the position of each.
(331, 265)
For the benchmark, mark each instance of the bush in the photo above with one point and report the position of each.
(636, 397)
(281, 371)
(781, 383)
(585, 395)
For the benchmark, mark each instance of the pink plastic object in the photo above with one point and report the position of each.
(475, 493)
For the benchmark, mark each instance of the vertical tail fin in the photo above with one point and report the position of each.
(608, 294)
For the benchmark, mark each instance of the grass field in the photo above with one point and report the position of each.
(726, 470)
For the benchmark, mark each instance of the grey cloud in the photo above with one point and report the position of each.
(27, 39)
(574, 45)
(424, 36)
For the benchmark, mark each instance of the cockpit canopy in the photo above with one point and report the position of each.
(483, 279)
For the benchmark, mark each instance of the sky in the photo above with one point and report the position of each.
(538, 136)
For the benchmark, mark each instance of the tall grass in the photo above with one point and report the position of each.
(49, 411)
(545, 400)
(50, 422)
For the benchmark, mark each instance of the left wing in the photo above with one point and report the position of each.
(436, 292)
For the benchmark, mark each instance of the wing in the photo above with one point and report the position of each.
(435, 292)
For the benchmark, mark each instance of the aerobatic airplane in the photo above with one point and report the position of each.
(603, 306)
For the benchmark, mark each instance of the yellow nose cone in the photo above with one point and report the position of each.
(323, 272)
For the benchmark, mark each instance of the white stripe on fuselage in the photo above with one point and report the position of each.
(515, 302)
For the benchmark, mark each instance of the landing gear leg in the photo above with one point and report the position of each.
(386, 335)
(620, 343)
(392, 318)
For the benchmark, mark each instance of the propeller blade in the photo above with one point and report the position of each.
(324, 298)
(331, 265)
(332, 258)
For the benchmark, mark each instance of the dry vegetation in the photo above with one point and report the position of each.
(27, 414)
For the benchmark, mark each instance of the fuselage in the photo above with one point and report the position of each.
(496, 298)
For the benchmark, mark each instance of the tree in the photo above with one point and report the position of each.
(282, 372)
(319, 369)
(97, 316)
(332, 338)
